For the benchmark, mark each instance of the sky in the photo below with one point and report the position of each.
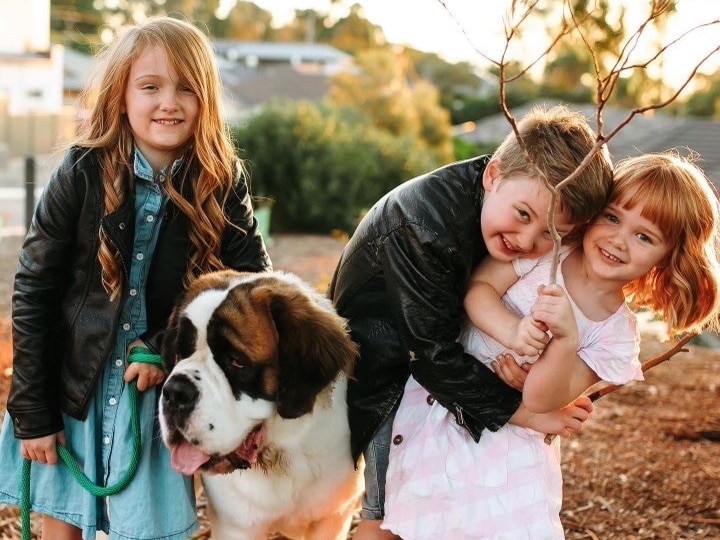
(427, 25)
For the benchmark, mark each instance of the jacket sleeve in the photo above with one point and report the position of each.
(243, 246)
(33, 402)
(423, 287)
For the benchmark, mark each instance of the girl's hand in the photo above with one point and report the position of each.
(147, 375)
(553, 309)
(528, 337)
(42, 449)
(508, 370)
(563, 422)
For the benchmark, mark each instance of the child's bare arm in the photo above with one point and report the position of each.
(559, 375)
(485, 309)
(562, 421)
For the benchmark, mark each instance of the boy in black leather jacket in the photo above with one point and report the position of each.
(403, 275)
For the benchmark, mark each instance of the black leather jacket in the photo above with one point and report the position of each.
(64, 324)
(401, 282)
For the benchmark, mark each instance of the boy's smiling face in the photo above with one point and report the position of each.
(513, 219)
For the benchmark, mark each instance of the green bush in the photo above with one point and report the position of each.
(466, 149)
(323, 168)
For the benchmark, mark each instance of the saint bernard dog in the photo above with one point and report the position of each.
(255, 401)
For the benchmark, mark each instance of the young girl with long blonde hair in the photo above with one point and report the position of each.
(148, 196)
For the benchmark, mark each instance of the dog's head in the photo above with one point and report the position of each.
(242, 348)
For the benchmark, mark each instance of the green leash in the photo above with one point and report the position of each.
(137, 354)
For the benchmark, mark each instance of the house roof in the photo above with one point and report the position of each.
(280, 82)
(290, 52)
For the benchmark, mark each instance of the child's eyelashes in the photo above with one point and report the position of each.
(155, 87)
(612, 218)
(645, 238)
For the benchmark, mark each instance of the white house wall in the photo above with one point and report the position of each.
(33, 83)
(24, 26)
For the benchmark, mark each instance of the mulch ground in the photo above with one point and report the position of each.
(647, 466)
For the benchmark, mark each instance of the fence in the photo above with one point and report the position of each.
(34, 133)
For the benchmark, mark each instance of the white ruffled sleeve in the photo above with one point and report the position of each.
(612, 348)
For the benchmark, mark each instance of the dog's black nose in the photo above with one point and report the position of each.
(180, 393)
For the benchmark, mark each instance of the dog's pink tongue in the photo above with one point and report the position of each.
(186, 459)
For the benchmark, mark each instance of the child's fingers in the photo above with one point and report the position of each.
(540, 326)
(584, 403)
(538, 335)
(157, 377)
(509, 371)
(147, 375)
(142, 381)
(550, 290)
(131, 372)
(42, 449)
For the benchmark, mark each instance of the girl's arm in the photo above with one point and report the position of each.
(563, 421)
(559, 375)
(485, 309)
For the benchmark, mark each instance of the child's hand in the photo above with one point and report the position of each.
(42, 449)
(147, 375)
(553, 308)
(528, 337)
(563, 422)
(508, 370)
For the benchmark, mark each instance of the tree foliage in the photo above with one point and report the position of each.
(380, 88)
(323, 167)
(706, 100)
(355, 33)
(75, 23)
(245, 22)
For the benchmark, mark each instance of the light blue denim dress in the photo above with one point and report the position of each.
(158, 503)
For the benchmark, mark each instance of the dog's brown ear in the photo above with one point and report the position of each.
(314, 347)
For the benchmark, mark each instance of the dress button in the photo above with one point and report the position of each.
(139, 256)
(150, 219)
(133, 292)
(122, 226)
(126, 326)
(112, 401)
(398, 439)
(106, 440)
(430, 400)
(118, 362)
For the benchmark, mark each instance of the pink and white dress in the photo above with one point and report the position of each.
(442, 485)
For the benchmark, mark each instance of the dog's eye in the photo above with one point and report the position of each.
(237, 361)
